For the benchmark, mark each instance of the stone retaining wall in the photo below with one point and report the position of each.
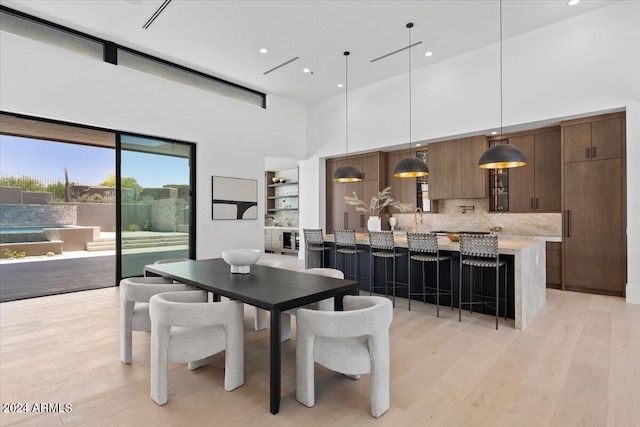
(37, 215)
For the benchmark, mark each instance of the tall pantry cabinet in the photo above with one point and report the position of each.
(594, 204)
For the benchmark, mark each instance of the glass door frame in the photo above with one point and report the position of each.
(192, 198)
(192, 177)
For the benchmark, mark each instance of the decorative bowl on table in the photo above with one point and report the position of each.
(454, 237)
(241, 260)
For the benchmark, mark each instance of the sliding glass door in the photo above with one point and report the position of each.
(156, 218)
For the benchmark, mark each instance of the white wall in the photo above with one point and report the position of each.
(231, 136)
(579, 66)
(633, 203)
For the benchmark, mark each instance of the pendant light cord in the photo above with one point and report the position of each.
(346, 105)
(501, 70)
(410, 25)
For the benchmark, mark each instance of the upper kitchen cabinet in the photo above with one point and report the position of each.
(536, 186)
(454, 171)
(594, 203)
(339, 215)
(593, 140)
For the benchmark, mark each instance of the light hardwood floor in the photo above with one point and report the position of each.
(578, 363)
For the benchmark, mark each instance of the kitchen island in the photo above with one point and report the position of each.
(525, 263)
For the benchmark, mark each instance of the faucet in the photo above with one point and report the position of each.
(415, 217)
(465, 209)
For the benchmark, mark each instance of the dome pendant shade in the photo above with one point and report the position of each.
(410, 167)
(502, 156)
(347, 174)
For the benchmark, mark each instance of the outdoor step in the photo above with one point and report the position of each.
(152, 244)
(103, 244)
(168, 239)
(100, 246)
(104, 239)
(156, 237)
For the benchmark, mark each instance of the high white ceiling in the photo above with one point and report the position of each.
(222, 38)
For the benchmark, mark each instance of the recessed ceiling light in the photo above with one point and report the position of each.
(573, 2)
(494, 133)
(263, 50)
(428, 53)
(306, 70)
(340, 85)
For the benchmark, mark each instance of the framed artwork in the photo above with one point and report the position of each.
(234, 198)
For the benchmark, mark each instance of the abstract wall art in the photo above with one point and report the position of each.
(234, 198)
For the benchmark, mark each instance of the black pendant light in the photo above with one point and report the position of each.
(410, 167)
(502, 156)
(346, 173)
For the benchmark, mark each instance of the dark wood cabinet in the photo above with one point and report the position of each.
(594, 242)
(536, 187)
(454, 171)
(593, 140)
(339, 215)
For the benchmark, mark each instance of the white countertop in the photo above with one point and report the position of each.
(506, 246)
(277, 227)
(519, 237)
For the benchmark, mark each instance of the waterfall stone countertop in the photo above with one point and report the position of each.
(530, 288)
(542, 238)
(277, 227)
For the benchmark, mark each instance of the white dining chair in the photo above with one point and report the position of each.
(352, 342)
(187, 328)
(135, 293)
(261, 319)
(324, 305)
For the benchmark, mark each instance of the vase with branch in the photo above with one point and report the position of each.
(378, 203)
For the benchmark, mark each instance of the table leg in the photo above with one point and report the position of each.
(275, 361)
(337, 301)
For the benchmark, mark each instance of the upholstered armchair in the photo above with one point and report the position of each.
(324, 305)
(135, 293)
(187, 328)
(352, 342)
(261, 319)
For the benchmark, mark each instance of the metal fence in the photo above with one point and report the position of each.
(81, 191)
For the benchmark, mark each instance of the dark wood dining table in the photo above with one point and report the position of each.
(269, 288)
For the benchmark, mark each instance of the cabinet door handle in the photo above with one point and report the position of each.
(568, 223)
(593, 152)
(587, 152)
(361, 221)
(345, 221)
(531, 203)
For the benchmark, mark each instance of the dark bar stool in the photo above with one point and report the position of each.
(313, 241)
(345, 241)
(423, 247)
(382, 245)
(481, 251)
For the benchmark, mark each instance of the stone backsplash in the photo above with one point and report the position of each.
(282, 219)
(451, 218)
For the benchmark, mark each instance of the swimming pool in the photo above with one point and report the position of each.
(27, 234)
